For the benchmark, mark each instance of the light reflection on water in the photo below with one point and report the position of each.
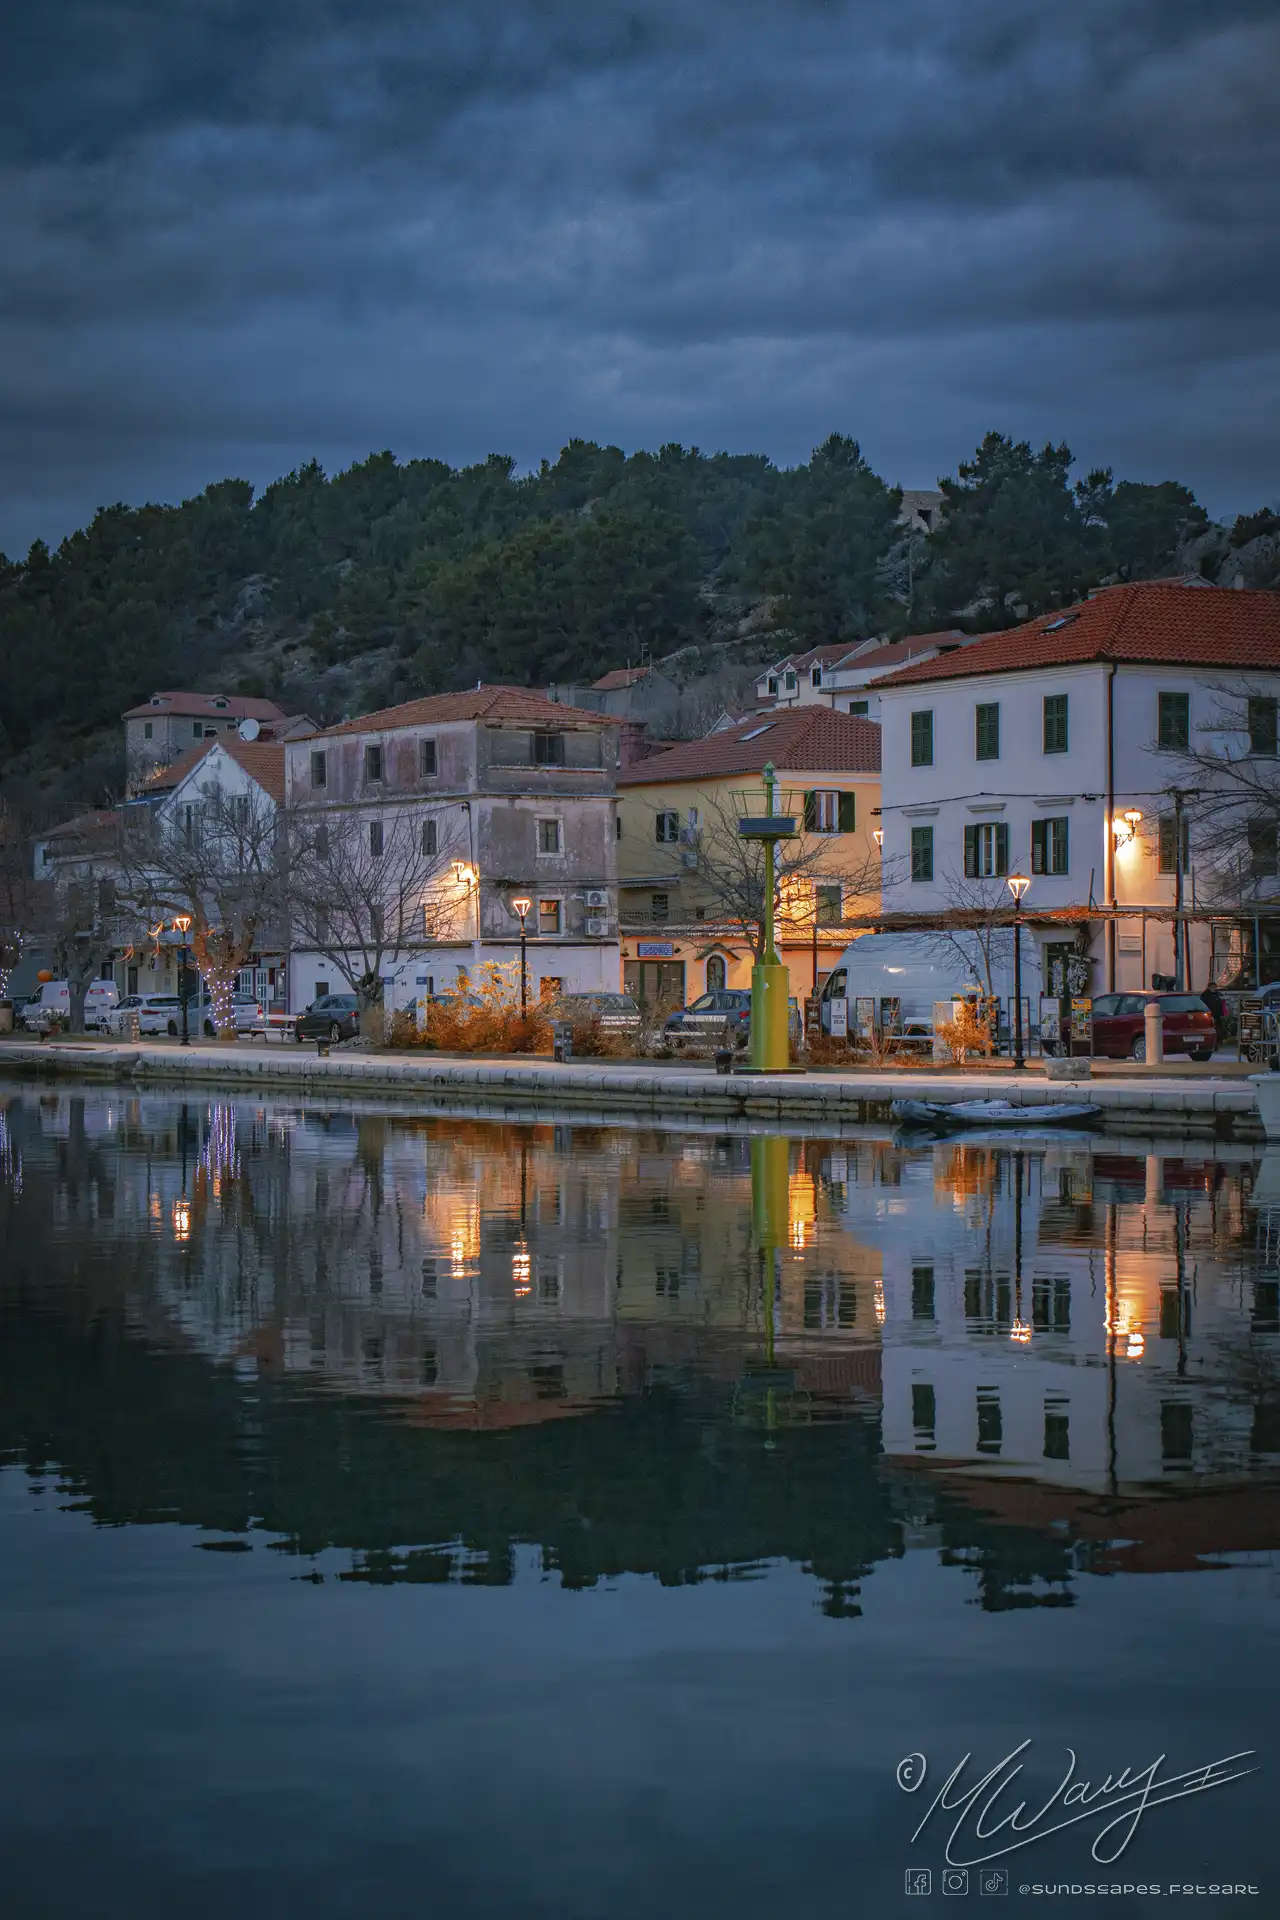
(441, 1353)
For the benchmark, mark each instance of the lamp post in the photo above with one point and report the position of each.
(770, 982)
(182, 925)
(522, 906)
(1017, 884)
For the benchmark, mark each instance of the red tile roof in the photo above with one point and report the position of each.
(810, 739)
(262, 760)
(1149, 621)
(98, 820)
(477, 703)
(194, 706)
(895, 652)
(619, 678)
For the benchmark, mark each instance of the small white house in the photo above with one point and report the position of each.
(1060, 749)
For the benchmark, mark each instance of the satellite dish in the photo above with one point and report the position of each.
(248, 729)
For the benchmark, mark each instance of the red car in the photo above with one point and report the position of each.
(1120, 1028)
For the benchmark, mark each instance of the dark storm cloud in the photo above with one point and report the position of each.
(239, 234)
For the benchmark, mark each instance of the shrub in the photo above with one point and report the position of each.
(968, 1033)
(593, 1040)
(483, 1016)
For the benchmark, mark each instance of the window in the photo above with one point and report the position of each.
(773, 683)
(147, 729)
(815, 676)
(1263, 849)
(986, 850)
(373, 763)
(191, 825)
(1173, 720)
(1057, 1433)
(666, 826)
(548, 836)
(659, 906)
(922, 739)
(789, 681)
(1049, 846)
(430, 836)
(322, 990)
(922, 1299)
(695, 819)
(1262, 726)
(617, 826)
(197, 729)
(922, 853)
(426, 759)
(715, 974)
(377, 924)
(548, 749)
(319, 770)
(548, 916)
(375, 838)
(859, 709)
(1168, 836)
(986, 729)
(829, 901)
(1055, 723)
(828, 812)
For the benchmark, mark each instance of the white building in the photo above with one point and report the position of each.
(841, 677)
(1059, 749)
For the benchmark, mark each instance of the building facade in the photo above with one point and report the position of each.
(510, 796)
(1066, 750)
(683, 873)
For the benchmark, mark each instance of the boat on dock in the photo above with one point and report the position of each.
(946, 1116)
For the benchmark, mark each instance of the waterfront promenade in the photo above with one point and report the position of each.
(1192, 1101)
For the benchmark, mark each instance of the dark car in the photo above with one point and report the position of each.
(334, 1016)
(707, 1020)
(1120, 1032)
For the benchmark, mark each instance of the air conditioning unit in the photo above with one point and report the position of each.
(597, 927)
(690, 857)
(597, 897)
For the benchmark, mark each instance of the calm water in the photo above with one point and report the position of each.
(408, 1514)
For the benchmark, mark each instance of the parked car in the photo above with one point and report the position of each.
(1119, 1025)
(616, 1012)
(244, 1007)
(334, 1016)
(154, 1011)
(54, 998)
(710, 1019)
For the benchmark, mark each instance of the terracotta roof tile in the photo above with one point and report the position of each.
(619, 678)
(262, 760)
(227, 706)
(1149, 621)
(805, 738)
(477, 703)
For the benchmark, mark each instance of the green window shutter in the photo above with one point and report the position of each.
(810, 812)
(1058, 849)
(971, 853)
(1002, 846)
(848, 813)
(1039, 830)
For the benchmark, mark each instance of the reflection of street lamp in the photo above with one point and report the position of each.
(1017, 884)
(182, 925)
(521, 907)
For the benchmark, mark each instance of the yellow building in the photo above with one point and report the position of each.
(689, 886)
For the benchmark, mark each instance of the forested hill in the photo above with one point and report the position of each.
(337, 593)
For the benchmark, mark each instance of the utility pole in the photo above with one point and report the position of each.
(1181, 942)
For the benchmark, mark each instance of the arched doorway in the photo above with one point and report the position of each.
(715, 973)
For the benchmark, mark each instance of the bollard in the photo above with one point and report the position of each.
(322, 1046)
(724, 1060)
(1154, 1022)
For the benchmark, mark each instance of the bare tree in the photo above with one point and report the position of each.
(219, 860)
(367, 890)
(731, 870)
(22, 899)
(1228, 791)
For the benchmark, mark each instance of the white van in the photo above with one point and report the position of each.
(54, 997)
(899, 977)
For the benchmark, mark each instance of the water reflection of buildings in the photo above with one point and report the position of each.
(1065, 1313)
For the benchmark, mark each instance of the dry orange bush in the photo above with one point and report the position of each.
(481, 1015)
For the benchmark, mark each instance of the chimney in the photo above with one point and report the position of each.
(633, 743)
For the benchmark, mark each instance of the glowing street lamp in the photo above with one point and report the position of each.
(1017, 884)
(182, 925)
(521, 907)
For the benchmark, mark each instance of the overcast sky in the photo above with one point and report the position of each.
(241, 233)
